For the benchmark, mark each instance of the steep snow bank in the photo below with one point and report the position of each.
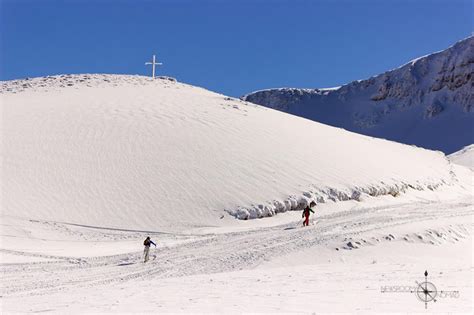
(128, 152)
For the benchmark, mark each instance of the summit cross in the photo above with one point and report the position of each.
(153, 64)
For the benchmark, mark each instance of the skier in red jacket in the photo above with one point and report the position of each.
(306, 212)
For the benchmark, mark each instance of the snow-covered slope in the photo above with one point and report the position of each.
(92, 164)
(428, 102)
(464, 157)
(128, 152)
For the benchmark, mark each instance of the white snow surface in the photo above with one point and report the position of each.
(92, 164)
(350, 252)
(127, 152)
(465, 156)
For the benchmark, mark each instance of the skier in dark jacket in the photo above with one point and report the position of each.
(306, 212)
(146, 252)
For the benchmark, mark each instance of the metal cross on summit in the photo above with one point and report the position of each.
(153, 64)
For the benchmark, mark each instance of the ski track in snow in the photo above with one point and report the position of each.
(95, 163)
(226, 252)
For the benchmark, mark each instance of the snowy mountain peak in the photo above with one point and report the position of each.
(92, 168)
(427, 102)
(133, 152)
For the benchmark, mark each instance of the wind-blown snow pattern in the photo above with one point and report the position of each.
(139, 153)
(428, 102)
(92, 164)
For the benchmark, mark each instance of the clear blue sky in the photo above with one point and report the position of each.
(232, 47)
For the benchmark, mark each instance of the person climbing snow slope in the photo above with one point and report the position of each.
(306, 213)
(146, 251)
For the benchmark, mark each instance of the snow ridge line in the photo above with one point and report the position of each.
(57, 82)
(294, 203)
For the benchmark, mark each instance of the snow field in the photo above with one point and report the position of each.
(276, 268)
(92, 164)
(127, 152)
(464, 157)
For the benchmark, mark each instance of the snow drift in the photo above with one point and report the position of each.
(464, 157)
(427, 102)
(128, 152)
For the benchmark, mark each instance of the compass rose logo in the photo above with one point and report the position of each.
(425, 291)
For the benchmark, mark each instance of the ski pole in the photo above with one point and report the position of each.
(299, 222)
